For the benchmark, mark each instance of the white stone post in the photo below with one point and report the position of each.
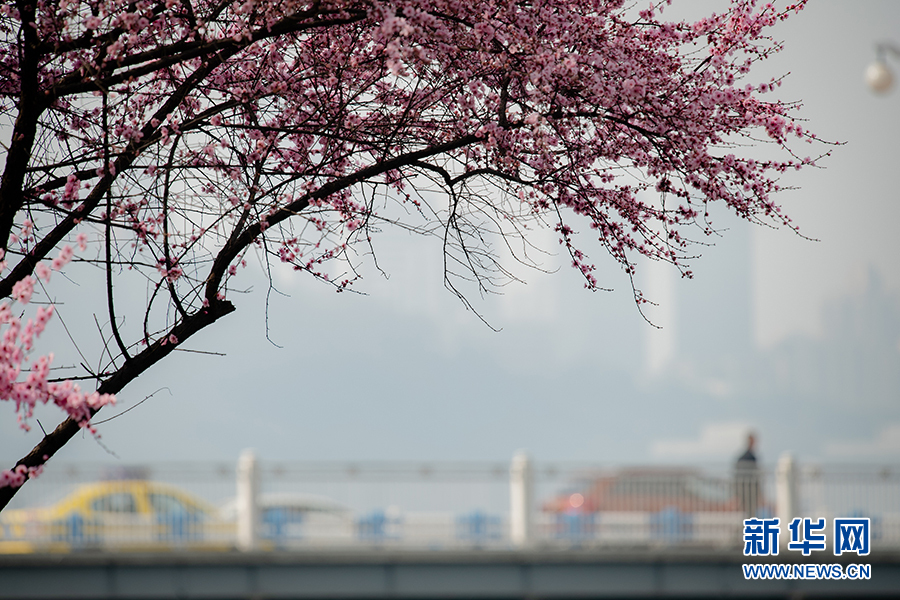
(787, 497)
(521, 496)
(247, 501)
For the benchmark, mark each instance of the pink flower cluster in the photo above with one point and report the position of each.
(16, 477)
(16, 342)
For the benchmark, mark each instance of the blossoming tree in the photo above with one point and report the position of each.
(167, 140)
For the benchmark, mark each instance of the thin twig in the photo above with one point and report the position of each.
(131, 407)
(210, 352)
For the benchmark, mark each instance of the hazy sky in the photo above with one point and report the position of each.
(406, 372)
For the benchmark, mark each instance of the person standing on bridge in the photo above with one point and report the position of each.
(746, 480)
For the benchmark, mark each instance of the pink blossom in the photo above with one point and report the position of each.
(43, 272)
(171, 272)
(70, 194)
(23, 289)
(63, 258)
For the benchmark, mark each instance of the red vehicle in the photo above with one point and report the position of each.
(649, 490)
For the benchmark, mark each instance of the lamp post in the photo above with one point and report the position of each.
(878, 74)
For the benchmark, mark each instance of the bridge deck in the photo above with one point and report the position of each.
(637, 573)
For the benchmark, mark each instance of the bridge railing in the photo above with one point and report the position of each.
(434, 505)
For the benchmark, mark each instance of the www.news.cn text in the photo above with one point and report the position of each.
(807, 571)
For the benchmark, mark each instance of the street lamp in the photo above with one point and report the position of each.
(878, 74)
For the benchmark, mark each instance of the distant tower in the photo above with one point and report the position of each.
(715, 309)
(707, 321)
(660, 340)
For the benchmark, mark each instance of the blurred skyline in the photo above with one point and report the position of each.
(796, 339)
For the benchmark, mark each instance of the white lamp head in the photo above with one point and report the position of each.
(879, 77)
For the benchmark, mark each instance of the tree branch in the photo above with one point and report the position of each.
(127, 373)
